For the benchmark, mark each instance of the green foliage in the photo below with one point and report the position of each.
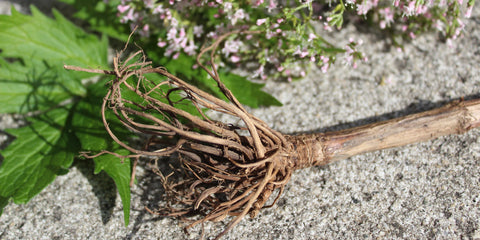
(34, 84)
(247, 92)
(42, 150)
(89, 129)
(56, 41)
(64, 113)
(36, 81)
(100, 16)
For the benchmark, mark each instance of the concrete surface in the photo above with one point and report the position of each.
(429, 190)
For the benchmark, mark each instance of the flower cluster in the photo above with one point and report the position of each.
(285, 42)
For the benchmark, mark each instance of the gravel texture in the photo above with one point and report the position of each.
(429, 190)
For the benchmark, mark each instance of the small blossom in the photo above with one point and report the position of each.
(272, 5)
(238, 15)
(123, 8)
(227, 6)
(198, 31)
(161, 43)
(158, 9)
(468, 13)
(176, 55)
(259, 72)
(327, 27)
(261, 21)
(145, 31)
(231, 46)
(234, 58)
(190, 48)
(148, 3)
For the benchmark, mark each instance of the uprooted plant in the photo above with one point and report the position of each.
(230, 169)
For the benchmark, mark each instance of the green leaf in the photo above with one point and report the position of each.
(55, 40)
(33, 78)
(3, 204)
(89, 128)
(41, 151)
(120, 171)
(245, 91)
(101, 16)
(37, 81)
(34, 85)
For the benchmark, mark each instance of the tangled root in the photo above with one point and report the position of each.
(225, 169)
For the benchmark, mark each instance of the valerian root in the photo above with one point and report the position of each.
(233, 169)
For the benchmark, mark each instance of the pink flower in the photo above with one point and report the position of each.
(176, 55)
(190, 49)
(387, 15)
(172, 33)
(122, 8)
(327, 27)
(158, 9)
(272, 5)
(161, 43)
(324, 68)
(259, 72)
(145, 31)
(240, 14)
(234, 58)
(412, 35)
(257, 3)
(198, 30)
(261, 21)
(148, 3)
(231, 46)
(468, 13)
(131, 16)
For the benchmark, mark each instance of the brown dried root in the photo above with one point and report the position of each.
(228, 170)
(231, 170)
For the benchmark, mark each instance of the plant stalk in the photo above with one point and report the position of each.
(322, 148)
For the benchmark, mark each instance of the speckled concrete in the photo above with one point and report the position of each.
(429, 190)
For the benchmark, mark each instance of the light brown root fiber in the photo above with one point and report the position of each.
(233, 170)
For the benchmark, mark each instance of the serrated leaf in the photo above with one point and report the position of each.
(120, 171)
(33, 79)
(41, 151)
(55, 40)
(89, 128)
(38, 81)
(34, 85)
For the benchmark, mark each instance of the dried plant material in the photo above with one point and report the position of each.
(234, 169)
